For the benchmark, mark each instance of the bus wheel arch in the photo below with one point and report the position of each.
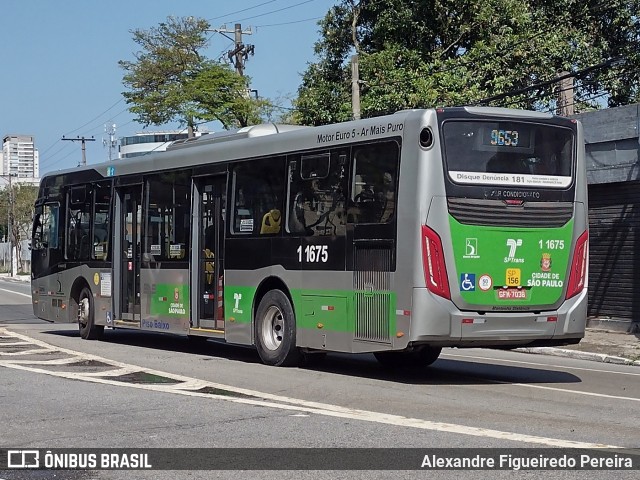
(82, 311)
(275, 324)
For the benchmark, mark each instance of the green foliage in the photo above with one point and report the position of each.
(171, 80)
(424, 53)
(18, 202)
(23, 198)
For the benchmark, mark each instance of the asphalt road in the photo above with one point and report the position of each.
(153, 391)
(15, 303)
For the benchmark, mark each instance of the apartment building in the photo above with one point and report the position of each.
(20, 159)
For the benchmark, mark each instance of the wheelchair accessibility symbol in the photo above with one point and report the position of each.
(468, 282)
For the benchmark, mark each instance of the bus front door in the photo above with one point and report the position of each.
(131, 218)
(210, 234)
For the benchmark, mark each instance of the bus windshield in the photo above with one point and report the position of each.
(508, 153)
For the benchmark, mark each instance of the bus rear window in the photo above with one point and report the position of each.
(508, 153)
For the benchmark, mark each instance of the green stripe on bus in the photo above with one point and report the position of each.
(331, 310)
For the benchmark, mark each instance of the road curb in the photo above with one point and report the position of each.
(564, 352)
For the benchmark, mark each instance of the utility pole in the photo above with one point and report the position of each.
(565, 95)
(82, 140)
(355, 87)
(238, 56)
(10, 226)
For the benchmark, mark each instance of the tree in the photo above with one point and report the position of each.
(223, 95)
(427, 53)
(16, 209)
(171, 80)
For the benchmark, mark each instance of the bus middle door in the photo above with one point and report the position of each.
(130, 237)
(210, 228)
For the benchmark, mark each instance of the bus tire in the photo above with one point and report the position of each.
(420, 357)
(428, 355)
(312, 359)
(197, 339)
(86, 316)
(275, 330)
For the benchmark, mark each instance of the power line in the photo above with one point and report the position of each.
(275, 11)
(100, 124)
(288, 23)
(541, 85)
(222, 54)
(239, 55)
(82, 141)
(94, 119)
(82, 126)
(52, 156)
(92, 129)
(50, 159)
(243, 10)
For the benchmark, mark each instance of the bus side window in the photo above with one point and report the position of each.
(39, 241)
(316, 194)
(100, 219)
(50, 222)
(79, 210)
(167, 232)
(373, 183)
(257, 193)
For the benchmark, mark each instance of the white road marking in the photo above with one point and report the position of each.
(57, 361)
(26, 352)
(556, 389)
(16, 293)
(567, 390)
(547, 365)
(284, 403)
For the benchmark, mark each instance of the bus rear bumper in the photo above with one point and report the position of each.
(438, 322)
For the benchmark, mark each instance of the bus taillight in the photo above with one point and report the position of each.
(577, 275)
(435, 271)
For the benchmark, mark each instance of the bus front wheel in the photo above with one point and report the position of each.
(275, 330)
(86, 318)
(420, 357)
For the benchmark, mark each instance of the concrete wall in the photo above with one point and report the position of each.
(613, 147)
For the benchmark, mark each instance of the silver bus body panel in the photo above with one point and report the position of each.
(420, 316)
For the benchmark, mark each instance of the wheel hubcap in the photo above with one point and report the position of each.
(272, 328)
(83, 311)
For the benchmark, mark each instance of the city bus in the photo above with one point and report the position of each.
(397, 236)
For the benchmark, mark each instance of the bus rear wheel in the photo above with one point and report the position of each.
(420, 357)
(275, 330)
(86, 318)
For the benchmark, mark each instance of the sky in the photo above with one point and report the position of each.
(59, 74)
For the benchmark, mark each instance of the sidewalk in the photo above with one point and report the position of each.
(599, 345)
(16, 278)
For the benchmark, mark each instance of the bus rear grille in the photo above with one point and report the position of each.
(496, 213)
(372, 284)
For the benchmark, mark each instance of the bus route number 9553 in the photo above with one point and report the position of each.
(313, 253)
